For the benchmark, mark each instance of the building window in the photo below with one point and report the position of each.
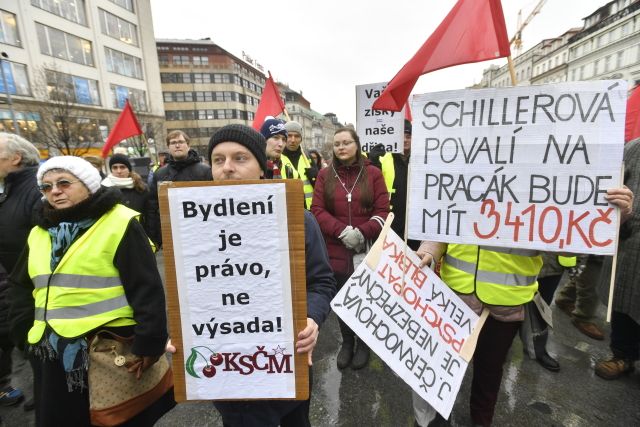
(201, 78)
(123, 64)
(163, 59)
(17, 80)
(573, 75)
(65, 87)
(180, 60)
(59, 44)
(204, 96)
(167, 96)
(625, 29)
(582, 72)
(607, 63)
(72, 10)
(118, 28)
(201, 60)
(619, 59)
(9, 29)
(596, 67)
(127, 4)
(137, 97)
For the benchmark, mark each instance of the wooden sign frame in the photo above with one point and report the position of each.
(296, 238)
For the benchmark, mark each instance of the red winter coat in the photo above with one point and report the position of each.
(333, 222)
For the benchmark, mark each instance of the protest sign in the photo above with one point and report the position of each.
(410, 319)
(234, 262)
(377, 126)
(523, 167)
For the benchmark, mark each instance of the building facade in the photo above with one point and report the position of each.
(204, 87)
(606, 47)
(70, 65)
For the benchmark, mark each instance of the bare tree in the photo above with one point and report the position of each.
(64, 126)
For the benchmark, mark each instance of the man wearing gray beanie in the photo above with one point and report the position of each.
(238, 152)
(294, 159)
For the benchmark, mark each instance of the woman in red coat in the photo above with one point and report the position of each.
(351, 203)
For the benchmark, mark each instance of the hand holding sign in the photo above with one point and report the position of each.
(307, 339)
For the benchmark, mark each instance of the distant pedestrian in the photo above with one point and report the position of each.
(135, 194)
(351, 203)
(625, 316)
(183, 165)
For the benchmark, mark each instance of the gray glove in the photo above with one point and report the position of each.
(352, 238)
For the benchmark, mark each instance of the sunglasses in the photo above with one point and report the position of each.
(62, 184)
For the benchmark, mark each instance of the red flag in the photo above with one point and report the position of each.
(632, 124)
(407, 111)
(126, 126)
(473, 31)
(271, 103)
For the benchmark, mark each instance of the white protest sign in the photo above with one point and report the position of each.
(377, 126)
(523, 167)
(231, 254)
(411, 320)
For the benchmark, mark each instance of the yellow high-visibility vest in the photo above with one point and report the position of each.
(498, 276)
(298, 173)
(85, 291)
(567, 261)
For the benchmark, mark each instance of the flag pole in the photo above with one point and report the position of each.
(286, 114)
(512, 71)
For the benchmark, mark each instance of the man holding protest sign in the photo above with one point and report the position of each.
(501, 280)
(238, 152)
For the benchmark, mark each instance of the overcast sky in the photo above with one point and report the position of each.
(323, 49)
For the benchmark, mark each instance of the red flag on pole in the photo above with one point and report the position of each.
(632, 124)
(473, 31)
(271, 103)
(126, 126)
(407, 111)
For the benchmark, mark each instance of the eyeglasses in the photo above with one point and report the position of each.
(63, 184)
(177, 142)
(337, 144)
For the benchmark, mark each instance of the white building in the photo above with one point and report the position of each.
(97, 53)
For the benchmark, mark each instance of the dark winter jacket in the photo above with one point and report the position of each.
(189, 169)
(135, 261)
(17, 204)
(333, 222)
(139, 201)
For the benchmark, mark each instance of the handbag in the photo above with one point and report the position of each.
(115, 395)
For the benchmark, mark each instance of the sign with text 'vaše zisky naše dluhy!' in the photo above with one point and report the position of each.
(234, 256)
(523, 167)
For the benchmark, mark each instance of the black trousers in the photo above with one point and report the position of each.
(625, 336)
(266, 413)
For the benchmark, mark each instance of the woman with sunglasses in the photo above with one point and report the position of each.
(351, 203)
(88, 268)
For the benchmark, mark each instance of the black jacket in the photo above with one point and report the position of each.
(189, 169)
(17, 203)
(135, 262)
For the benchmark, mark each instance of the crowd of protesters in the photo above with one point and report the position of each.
(77, 261)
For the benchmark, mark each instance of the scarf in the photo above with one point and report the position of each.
(114, 181)
(274, 168)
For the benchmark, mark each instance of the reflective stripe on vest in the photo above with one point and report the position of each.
(84, 292)
(567, 261)
(505, 277)
(299, 173)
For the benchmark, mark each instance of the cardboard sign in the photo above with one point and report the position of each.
(377, 126)
(234, 256)
(523, 167)
(410, 319)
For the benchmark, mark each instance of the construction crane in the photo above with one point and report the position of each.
(516, 40)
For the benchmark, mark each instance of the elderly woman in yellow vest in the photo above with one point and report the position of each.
(88, 268)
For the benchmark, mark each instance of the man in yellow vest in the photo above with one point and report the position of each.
(501, 280)
(296, 164)
(395, 168)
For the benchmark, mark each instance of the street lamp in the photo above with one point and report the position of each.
(5, 57)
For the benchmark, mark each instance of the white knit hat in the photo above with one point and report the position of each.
(80, 168)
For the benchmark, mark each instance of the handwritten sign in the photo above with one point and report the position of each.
(411, 320)
(376, 126)
(524, 167)
(231, 291)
